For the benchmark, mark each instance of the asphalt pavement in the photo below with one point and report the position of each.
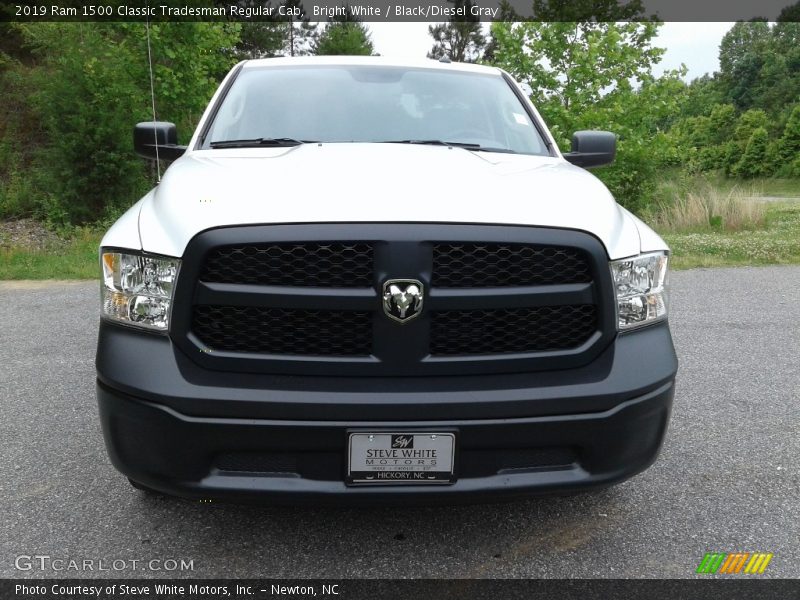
(727, 480)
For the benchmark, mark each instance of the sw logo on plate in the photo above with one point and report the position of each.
(402, 441)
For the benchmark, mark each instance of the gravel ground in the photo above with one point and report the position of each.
(727, 479)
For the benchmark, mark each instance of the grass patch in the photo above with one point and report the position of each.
(710, 208)
(778, 242)
(71, 257)
(711, 221)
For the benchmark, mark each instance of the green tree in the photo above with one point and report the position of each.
(12, 45)
(754, 161)
(507, 14)
(722, 122)
(263, 38)
(576, 63)
(20, 133)
(701, 93)
(788, 149)
(598, 75)
(779, 83)
(344, 35)
(749, 121)
(760, 65)
(86, 101)
(189, 61)
(742, 54)
(92, 84)
(287, 34)
(300, 31)
(461, 39)
(711, 136)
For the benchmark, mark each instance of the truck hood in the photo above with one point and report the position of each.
(354, 182)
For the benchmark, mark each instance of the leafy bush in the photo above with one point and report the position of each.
(86, 87)
(754, 161)
(633, 176)
(749, 122)
(86, 105)
(788, 147)
(20, 136)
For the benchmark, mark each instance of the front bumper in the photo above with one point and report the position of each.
(200, 434)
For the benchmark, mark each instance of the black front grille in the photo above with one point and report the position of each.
(466, 265)
(283, 330)
(307, 299)
(310, 264)
(539, 329)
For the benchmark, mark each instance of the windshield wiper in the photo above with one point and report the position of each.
(465, 145)
(256, 142)
(435, 143)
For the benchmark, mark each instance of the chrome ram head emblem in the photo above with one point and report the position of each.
(402, 299)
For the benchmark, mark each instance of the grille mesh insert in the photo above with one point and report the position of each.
(312, 264)
(465, 265)
(539, 329)
(283, 330)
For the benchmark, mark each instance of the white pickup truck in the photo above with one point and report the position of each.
(368, 281)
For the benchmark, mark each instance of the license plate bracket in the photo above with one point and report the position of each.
(401, 457)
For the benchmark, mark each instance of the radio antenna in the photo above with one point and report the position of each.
(152, 97)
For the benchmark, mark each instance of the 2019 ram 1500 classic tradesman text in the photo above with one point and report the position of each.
(367, 281)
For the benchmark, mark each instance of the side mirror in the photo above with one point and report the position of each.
(592, 148)
(152, 135)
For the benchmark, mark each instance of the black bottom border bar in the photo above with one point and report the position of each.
(730, 588)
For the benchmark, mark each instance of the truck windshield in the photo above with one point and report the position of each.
(297, 104)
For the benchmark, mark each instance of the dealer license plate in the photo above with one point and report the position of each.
(400, 458)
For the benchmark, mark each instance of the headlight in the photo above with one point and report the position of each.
(137, 289)
(640, 283)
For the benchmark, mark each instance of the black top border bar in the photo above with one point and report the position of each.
(401, 10)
